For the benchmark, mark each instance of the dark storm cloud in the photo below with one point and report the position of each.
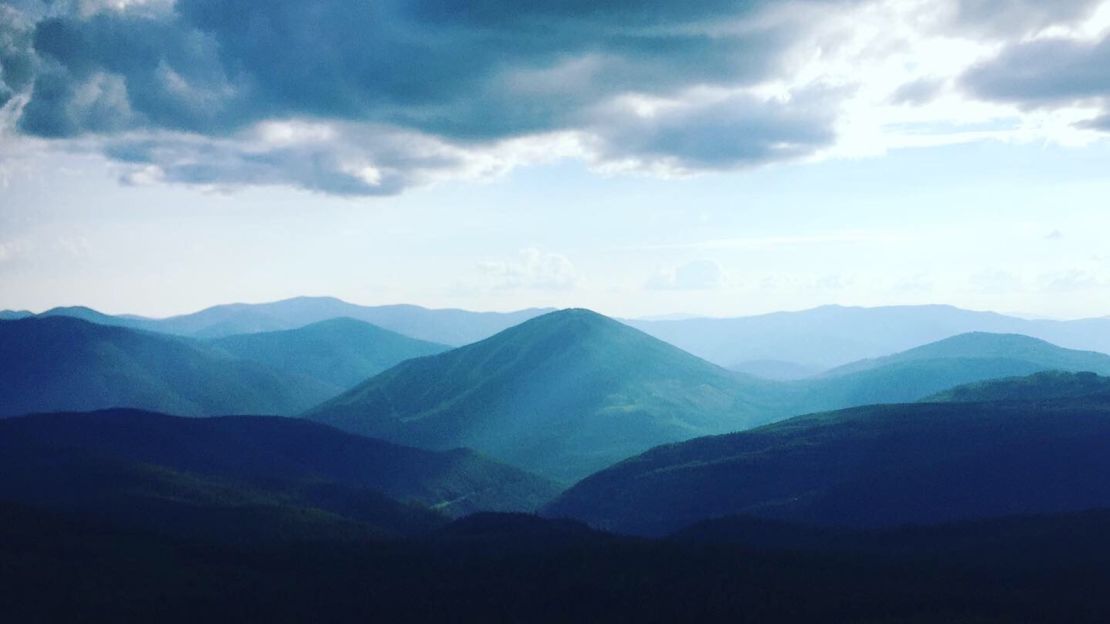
(465, 73)
(450, 68)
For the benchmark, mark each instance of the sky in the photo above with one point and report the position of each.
(637, 157)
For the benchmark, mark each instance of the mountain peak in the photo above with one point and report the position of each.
(562, 394)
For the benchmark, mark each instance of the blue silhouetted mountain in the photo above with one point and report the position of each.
(1045, 386)
(927, 370)
(444, 326)
(864, 467)
(118, 462)
(831, 336)
(62, 363)
(561, 395)
(338, 353)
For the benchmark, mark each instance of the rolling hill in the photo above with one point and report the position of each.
(337, 353)
(831, 336)
(988, 346)
(83, 460)
(864, 467)
(921, 372)
(62, 363)
(561, 395)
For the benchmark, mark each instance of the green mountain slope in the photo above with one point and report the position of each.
(562, 395)
(337, 353)
(283, 458)
(61, 363)
(869, 466)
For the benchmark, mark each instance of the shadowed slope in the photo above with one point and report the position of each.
(260, 450)
(869, 466)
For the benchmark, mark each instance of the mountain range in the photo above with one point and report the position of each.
(779, 345)
(965, 481)
(831, 336)
(564, 394)
(444, 326)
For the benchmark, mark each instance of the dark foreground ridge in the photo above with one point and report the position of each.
(65, 567)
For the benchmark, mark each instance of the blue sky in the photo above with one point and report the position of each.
(721, 158)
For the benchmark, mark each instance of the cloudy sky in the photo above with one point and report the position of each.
(639, 157)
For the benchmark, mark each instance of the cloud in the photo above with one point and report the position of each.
(1100, 123)
(1044, 72)
(1048, 73)
(413, 91)
(532, 270)
(734, 131)
(342, 160)
(16, 56)
(448, 68)
(461, 76)
(696, 275)
(1016, 18)
(918, 91)
(1072, 280)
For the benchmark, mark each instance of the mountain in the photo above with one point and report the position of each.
(831, 336)
(1039, 387)
(64, 459)
(62, 363)
(864, 467)
(445, 326)
(987, 346)
(918, 373)
(11, 315)
(337, 353)
(561, 395)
